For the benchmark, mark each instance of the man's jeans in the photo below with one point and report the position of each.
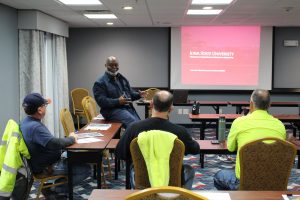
(226, 180)
(125, 116)
(80, 172)
(189, 174)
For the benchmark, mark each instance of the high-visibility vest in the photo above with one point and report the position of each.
(12, 146)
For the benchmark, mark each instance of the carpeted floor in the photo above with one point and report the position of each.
(203, 179)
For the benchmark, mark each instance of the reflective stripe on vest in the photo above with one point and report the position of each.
(5, 194)
(16, 134)
(9, 169)
(3, 143)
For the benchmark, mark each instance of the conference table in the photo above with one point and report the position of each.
(204, 118)
(240, 104)
(214, 104)
(90, 152)
(113, 194)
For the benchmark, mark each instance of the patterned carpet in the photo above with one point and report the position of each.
(203, 178)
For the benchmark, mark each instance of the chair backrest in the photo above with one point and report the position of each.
(67, 121)
(150, 93)
(90, 108)
(77, 95)
(265, 164)
(140, 169)
(166, 192)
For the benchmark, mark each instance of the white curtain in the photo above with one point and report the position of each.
(43, 69)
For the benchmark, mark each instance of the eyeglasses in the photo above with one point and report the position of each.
(46, 104)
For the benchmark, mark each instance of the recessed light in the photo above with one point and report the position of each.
(81, 2)
(211, 2)
(100, 16)
(127, 8)
(204, 12)
(207, 8)
(109, 23)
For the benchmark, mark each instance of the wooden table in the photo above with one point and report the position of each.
(111, 194)
(204, 118)
(240, 104)
(215, 104)
(90, 152)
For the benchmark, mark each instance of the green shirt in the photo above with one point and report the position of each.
(259, 124)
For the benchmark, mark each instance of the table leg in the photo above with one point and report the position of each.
(127, 174)
(201, 160)
(70, 180)
(99, 165)
(202, 130)
(146, 111)
(298, 162)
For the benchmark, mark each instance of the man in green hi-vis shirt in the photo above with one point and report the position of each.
(256, 125)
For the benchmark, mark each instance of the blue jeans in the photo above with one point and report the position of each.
(187, 181)
(80, 172)
(226, 180)
(125, 116)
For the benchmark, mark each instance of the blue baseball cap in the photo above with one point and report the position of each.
(35, 100)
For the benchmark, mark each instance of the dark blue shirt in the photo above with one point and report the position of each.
(37, 136)
(107, 90)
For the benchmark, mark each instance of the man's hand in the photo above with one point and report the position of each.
(72, 134)
(143, 94)
(123, 100)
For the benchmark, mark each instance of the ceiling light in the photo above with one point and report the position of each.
(109, 23)
(127, 8)
(211, 2)
(100, 16)
(207, 7)
(204, 12)
(81, 2)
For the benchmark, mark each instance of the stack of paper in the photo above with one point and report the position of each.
(99, 117)
(88, 140)
(89, 134)
(95, 126)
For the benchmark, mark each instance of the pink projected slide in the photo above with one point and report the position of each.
(223, 55)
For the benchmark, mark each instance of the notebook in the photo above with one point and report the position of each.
(180, 96)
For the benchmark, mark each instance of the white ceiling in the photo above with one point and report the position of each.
(170, 13)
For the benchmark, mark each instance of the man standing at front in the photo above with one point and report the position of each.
(256, 125)
(114, 95)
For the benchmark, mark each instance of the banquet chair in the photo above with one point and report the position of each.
(77, 95)
(165, 192)
(266, 164)
(140, 169)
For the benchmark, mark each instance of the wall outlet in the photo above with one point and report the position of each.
(185, 111)
(179, 111)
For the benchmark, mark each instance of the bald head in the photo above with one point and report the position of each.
(162, 101)
(261, 99)
(111, 59)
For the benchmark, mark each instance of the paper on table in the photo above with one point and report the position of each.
(94, 126)
(88, 140)
(215, 195)
(99, 117)
(89, 134)
(293, 197)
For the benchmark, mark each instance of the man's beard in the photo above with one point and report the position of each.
(112, 73)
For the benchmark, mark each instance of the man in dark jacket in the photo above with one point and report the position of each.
(162, 106)
(114, 95)
(45, 150)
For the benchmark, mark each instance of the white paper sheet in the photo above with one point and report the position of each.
(99, 117)
(88, 140)
(215, 195)
(94, 126)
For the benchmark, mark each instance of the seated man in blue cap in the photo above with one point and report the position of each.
(44, 148)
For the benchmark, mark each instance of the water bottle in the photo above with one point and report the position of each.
(221, 129)
(198, 108)
(194, 108)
